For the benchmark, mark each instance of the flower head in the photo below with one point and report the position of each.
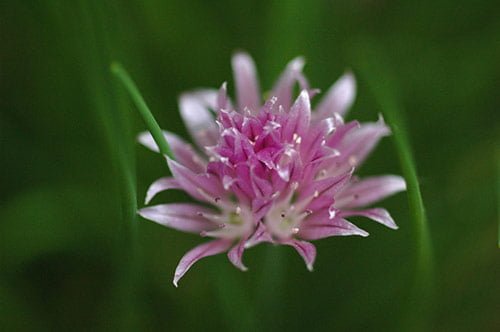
(272, 172)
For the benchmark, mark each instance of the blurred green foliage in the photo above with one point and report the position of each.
(72, 174)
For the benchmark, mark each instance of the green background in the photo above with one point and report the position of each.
(72, 175)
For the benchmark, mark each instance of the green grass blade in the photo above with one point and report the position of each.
(155, 130)
(498, 195)
(383, 87)
(94, 48)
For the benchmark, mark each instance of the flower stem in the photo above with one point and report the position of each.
(155, 130)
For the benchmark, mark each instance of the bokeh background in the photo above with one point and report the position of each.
(72, 174)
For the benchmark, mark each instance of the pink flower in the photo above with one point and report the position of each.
(273, 172)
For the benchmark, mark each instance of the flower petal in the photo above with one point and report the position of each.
(297, 120)
(369, 190)
(319, 226)
(379, 215)
(183, 151)
(312, 142)
(205, 187)
(339, 97)
(358, 144)
(247, 86)
(235, 255)
(204, 250)
(197, 117)
(305, 249)
(321, 193)
(160, 185)
(283, 89)
(223, 101)
(181, 216)
(260, 235)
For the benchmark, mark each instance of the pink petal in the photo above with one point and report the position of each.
(322, 192)
(181, 216)
(223, 101)
(298, 118)
(260, 207)
(305, 249)
(320, 226)
(247, 86)
(357, 144)
(341, 130)
(339, 97)
(377, 214)
(260, 235)
(204, 250)
(183, 151)
(204, 187)
(369, 190)
(311, 143)
(235, 255)
(284, 87)
(160, 185)
(197, 117)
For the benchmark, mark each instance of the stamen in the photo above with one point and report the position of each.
(338, 119)
(330, 125)
(268, 106)
(216, 218)
(331, 212)
(218, 200)
(304, 214)
(271, 126)
(296, 138)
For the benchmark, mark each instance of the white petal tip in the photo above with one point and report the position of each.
(349, 78)
(298, 63)
(147, 140)
(304, 95)
(363, 233)
(391, 224)
(241, 55)
(242, 62)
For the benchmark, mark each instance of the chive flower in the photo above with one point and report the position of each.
(273, 171)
